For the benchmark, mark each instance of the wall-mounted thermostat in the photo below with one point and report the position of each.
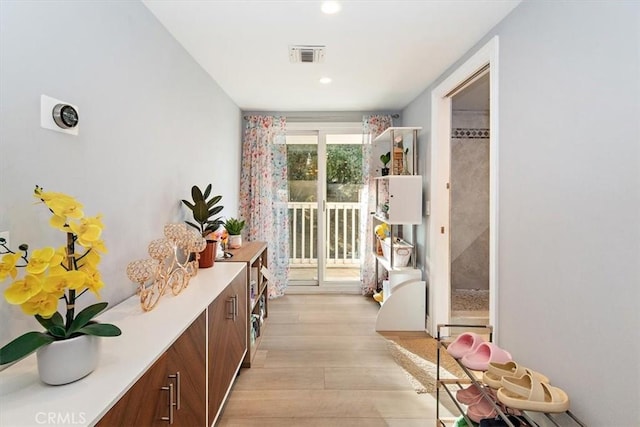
(58, 115)
(65, 116)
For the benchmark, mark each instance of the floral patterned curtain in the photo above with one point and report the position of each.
(264, 193)
(372, 126)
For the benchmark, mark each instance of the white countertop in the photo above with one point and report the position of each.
(26, 401)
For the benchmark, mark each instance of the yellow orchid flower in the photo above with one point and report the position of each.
(59, 257)
(42, 303)
(59, 222)
(65, 206)
(88, 230)
(48, 196)
(90, 259)
(57, 270)
(40, 260)
(56, 283)
(22, 290)
(59, 263)
(99, 246)
(97, 220)
(8, 266)
(94, 281)
(88, 269)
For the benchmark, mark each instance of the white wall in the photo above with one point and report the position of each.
(152, 124)
(569, 198)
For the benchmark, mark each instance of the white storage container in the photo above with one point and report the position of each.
(401, 252)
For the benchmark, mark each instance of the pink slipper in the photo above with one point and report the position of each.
(480, 410)
(463, 344)
(468, 395)
(472, 394)
(484, 354)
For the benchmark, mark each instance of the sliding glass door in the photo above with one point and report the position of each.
(302, 166)
(325, 186)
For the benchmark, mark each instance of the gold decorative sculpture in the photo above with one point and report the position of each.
(174, 261)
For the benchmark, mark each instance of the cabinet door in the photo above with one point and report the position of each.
(187, 370)
(145, 404)
(227, 340)
(241, 323)
(405, 199)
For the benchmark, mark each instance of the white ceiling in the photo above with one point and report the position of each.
(380, 54)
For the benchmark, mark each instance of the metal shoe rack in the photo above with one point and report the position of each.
(451, 386)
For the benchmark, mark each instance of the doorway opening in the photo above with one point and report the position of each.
(469, 203)
(325, 187)
(441, 251)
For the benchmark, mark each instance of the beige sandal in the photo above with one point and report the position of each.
(495, 372)
(528, 393)
(512, 369)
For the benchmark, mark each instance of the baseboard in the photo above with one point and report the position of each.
(328, 289)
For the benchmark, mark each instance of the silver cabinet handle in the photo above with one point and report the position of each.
(235, 307)
(177, 378)
(171, 404)
(230, 313)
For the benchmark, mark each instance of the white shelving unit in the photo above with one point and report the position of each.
(399, 203)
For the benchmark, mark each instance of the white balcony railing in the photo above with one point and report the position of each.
(342, 222)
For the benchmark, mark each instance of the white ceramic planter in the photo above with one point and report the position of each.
(66, 361)
(235, 241)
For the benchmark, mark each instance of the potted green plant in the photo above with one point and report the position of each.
(385, 159)
(69, 348)
(234, 228)
(204, 208)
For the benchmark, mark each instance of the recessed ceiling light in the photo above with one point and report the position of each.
(331, 7)
(325, 80)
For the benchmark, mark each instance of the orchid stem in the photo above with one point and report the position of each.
(72, 293)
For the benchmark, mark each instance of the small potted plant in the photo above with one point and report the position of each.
(385, 159)
(69, 348)
(234, 228)
(204, 208)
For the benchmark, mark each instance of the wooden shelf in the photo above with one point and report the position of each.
(254, 254)
(249, 252)
(255, 345)
(254, 301)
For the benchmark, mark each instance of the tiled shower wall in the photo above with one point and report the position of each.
(470, 200)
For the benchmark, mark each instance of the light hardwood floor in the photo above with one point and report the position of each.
(321, 363)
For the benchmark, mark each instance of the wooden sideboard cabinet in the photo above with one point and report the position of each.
(227, 342)
(145, 403)
(186, 360)
(174, 365)
(254, 255)
(172, 391)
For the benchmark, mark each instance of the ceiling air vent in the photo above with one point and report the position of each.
(307, 54)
